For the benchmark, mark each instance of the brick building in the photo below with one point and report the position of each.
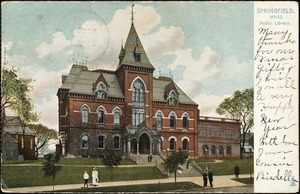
(127, 109)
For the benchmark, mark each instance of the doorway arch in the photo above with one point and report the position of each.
(144, 144)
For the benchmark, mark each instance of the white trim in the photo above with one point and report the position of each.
(185, 138)
(172, 112)
(83, 106)
(101, 106)
(185, 113)
(159, 111)
(173, 137)
(117, 109)
(136, 78)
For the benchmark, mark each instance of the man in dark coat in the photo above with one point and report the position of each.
(236, 171)
(210, 177)
(205, 179)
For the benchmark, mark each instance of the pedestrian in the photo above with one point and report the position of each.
(236, 171)
(95, 177)
(205, 179)
(210, 178)
(150, 157)
(187, 163)
(86, 179)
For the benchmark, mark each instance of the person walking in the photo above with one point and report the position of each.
(210, 178)
(86, 179)
(236, 171)
(205, 179)
(95, 177)
(187, 163)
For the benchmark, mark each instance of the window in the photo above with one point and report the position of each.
(138, 102)
(84, 114)
(228, 150)
(221, 150)
(137, 117)
(101, 142)
(138, 91)
(101, 89)
(117, 117)
(185, 122)
(172, 97)
(138, 57)
(172, 121)
(185, 145)
(172, 144)
(116, 142)
(205, 150)
(159, 121)
(100, 116)
(213, 149)
(84, 141)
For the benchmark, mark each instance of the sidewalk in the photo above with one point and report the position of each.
(219, 182)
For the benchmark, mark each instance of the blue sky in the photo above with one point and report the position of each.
(207, 45)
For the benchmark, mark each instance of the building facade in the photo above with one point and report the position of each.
(128, 109)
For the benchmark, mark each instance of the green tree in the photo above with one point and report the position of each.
(43, 135)
(49, 166)
(239, 106)
(111, 158)
(173, 163)
(14, 95)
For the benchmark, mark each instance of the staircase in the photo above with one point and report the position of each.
(192, 171)
(142, 159)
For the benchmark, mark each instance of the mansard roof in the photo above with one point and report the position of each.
(133, 45)
(159, 87)
(81, 80)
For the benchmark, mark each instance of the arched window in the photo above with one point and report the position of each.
(228, 150)
(117, 117)
(138, 92)
(185, 122)
(101, 141)
(172, 121)
(221, 151)
(213, 149)
(101, 116)
(159, 120)
(117, 142)
(185, 145)
(172, 97)
(85, 141)
(205, 150)
(172, 144)
(101, 90)
(84, 114)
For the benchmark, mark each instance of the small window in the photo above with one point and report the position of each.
(117, 117)
(185, 122)
(172, 144)
(84, 141)
(101, 142)
(138, 57)
(117, 142)
(172, 122)
(159, 121)
(172, 97)
(101, 90)
(101, 116)
(185, 145)
(84, 114)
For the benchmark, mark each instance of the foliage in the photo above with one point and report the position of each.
(174, 161)
(49, 167)
(14, 88)
(239, 106)
(111, 158)
(43, 135)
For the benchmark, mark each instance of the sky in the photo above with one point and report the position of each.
(207, 46)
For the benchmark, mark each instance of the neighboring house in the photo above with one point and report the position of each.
(248, 152)
(12, 126)
(9, 147)
(131, 111)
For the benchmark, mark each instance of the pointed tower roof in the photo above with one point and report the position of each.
(133, 53)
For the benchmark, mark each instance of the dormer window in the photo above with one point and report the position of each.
(172, 98)
(101, 90)
(138, 57)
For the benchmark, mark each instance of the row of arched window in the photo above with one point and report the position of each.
(185, 144)
(172, 117)
(216, 150)
(101, 115)
(101, 141)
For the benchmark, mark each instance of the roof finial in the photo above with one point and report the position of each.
(132, 13)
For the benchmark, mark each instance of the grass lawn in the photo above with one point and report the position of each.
(245, 180)
(227, 167)
(182, 186)
(27, 176)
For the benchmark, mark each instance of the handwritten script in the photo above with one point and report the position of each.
(276, 97)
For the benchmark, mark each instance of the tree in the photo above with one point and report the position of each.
(111, 158)
(49, 166)
(15, 96)
(14, 88)
(239, 106)
(43, 135)
(173, 163)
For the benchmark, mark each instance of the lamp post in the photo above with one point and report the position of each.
(205, 151)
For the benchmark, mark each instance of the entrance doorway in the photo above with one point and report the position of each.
(144, 144)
